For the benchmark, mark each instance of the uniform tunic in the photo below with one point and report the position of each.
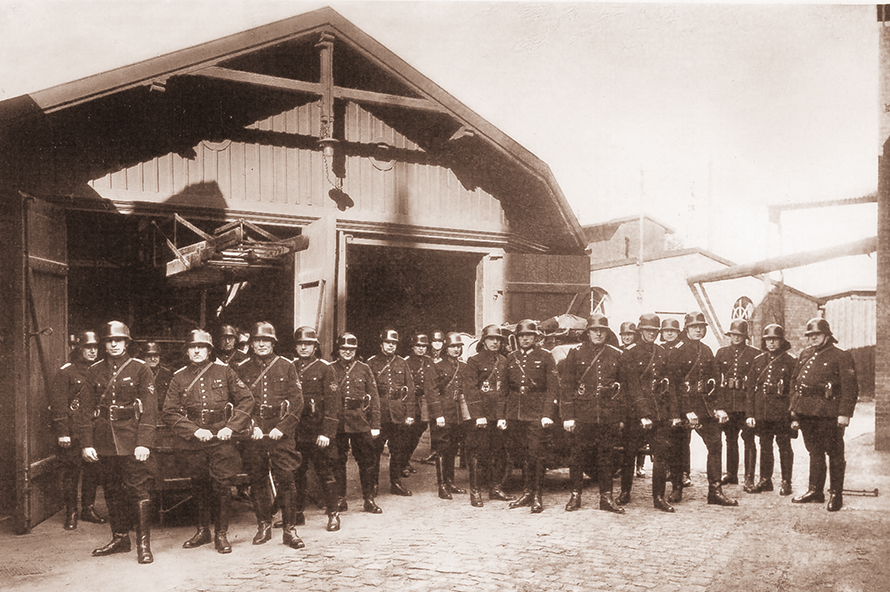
(423, 374)
(361, 414)
(486, 371)
(768, 402)
(395, 386)
(530, 393)
(734, 365)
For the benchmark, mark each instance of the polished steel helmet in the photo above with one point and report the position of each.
(817, 325)
(85, 338)
(649, 321)
(694, 318)
(526, 326)
(228, 330)
(263, 330)
(389, 335)
(774, 330)
(627, 328)
(453, 339)
(115, 330)
(670, 324)
(347, 341)
(421, 339)
(152, 347)
(738, 327)
(198, 337)
(306, 335)
(597, 321)
(437, 336)
(492, 331)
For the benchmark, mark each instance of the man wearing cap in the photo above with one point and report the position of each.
(64, 398)
(527, 406)
(206, 406)
(734, 365)
(768, 406)
(449, 406)
(116, 425)
(359, 422)
(424, 375)
(270, 456)
(485, 444)
(822, 403)
(652, 412)
(693, 376)
(322, 404)
(592, 408)
(395, 387)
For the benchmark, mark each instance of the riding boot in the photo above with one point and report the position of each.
(70, 518)
(607, 502)
(444, 492)
(527, 496)
(815, 492)
(473, 471)
(717, 497)
(786, 463)
(89, 514)
(202, 535)
(750, 466)
(397, 488)
(143, 532)
(762, 485)
(262, 505)
(538, 485)
(289, 516)
(836, 486)
(448, 474)
(574, 502)
(120, 522)
(120, 543)
(499, 466)
(221, 526)
(333, 521)
(367, 481)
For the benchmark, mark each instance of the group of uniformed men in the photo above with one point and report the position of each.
(271, 415)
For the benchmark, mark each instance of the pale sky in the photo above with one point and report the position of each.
(701, 113)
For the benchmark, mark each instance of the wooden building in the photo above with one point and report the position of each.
(299, 173)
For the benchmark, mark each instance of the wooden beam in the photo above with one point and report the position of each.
(546, 288)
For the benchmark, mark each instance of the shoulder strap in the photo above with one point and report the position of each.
(113, 378)
(198, 377)
(592, 364)
(263, 373)
(341, 382)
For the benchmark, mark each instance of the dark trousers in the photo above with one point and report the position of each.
(823, 437)
(415, 433)
(323, 461)
(126, 482)
(778, 430)
(528, 443)
(397, 437)
(711, 434)
(587, 440)
(489, 446)
(73, 469)
(662, 441)
(275, 459)
(732, 428)
(362, 445)
(681, 441)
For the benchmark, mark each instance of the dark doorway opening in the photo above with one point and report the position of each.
(409, 290)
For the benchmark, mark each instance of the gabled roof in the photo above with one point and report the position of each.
(605, 230)
(246, 50)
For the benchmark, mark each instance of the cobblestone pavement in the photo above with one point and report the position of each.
(423, 543)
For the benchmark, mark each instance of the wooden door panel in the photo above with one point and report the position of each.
(543, 286)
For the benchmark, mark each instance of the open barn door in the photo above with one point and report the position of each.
(544, 286)
(44, 333)
(315, 272)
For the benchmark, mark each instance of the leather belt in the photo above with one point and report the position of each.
(352, 404)
(203, 417)
(269, 411)
(116, 412)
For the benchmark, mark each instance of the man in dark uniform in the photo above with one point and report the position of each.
(151, 353)
(64, 402)
(395, 387)
(206, 406)
(652, 412)
(734, 364)
(116, 425)
(680, 435)
(485, 444)
(322, 406)
(424, 376)
(593, 411)
(449, 407)
(359, 422)
(768, 404)
(270, 456)
(627, 334)
(528, 404)
(228, 338)
(823, 401)
(693, 376)
(437, 343)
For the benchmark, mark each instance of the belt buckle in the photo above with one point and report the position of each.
(486, 387)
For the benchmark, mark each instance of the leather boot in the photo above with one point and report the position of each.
(342, 505)
(473, 471)
(538, 499)
(70, 519)
(627, 481)
(370, 506)
(750, 467)
(607, 503)
(686, 482)
(836, 491)
(762, 486)
(500, 470)
(623, 497)
(89, 514)
(574, 502)
(676, 494)
(143, 532)
(660, 504)
(396, 488)
(785, 489)
(729, 479)
(527, 496)
(202, 534)
(221, 528)
(448, 473)
(289, 516)
(262, 505)
(717, 497)
(444, 492)
(810, 497)
(120, 543)
(333, 522)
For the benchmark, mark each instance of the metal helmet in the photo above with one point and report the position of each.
(453, 339)
(817, 325)
(228, 330)
(198, 337)
(115, 330)
(694, 318)
(649, 321)
(738, 327)
(670, 325)
(492, 331)
(347, 341)
(597, 321)
(527, 326)
(152, 347)
(389, 335)
(265, 330)
(306, 335)
(437, 336)
(627, 328)
(421, 339)
(774, 330)
(85, 338)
